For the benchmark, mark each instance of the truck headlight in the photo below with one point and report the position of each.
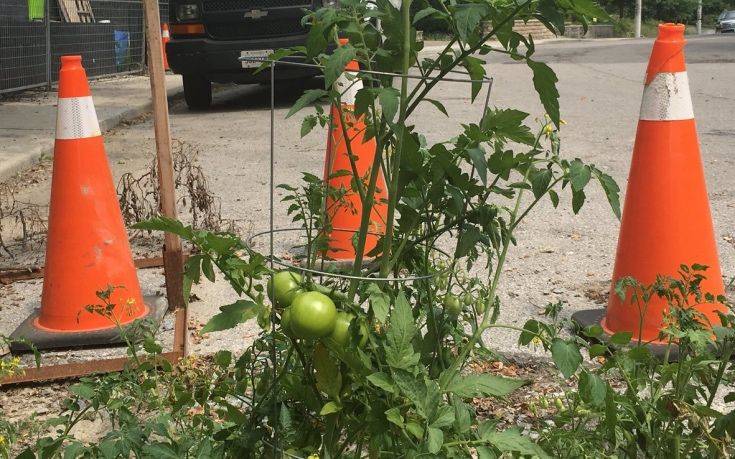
(187, 12)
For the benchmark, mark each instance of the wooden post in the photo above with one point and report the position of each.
(172, 254)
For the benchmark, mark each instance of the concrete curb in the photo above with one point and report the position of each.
(36, 151)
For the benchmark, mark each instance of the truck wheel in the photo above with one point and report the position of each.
(197, 92)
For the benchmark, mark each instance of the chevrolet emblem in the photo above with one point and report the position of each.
(256, 14)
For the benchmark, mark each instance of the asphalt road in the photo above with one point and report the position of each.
(709, 49)
(560, 256)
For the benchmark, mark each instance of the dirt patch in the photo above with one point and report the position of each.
(598, 291)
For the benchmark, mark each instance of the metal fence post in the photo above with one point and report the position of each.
(47, 27)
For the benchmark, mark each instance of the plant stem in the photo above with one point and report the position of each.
(396, 159)
(724, 361)
(485, 324)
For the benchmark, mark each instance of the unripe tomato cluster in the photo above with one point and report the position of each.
(310, 314)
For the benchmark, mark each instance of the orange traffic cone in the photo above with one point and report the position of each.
(345, 213)
(666, 218)
(165, 38)
(87, 247)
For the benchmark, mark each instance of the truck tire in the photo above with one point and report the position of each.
(197, 92)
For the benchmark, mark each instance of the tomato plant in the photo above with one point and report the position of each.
(378, 368)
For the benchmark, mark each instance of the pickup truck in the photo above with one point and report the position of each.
(209, 36)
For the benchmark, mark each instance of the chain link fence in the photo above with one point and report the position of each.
(34, 34)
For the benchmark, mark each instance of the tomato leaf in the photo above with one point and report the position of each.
(476, 72)
(544, 80)
(592, 388)
(169, 225)
(427, 12)
(436, 440)
(308, 124)
(399, 350)
(379, 302)
(329, 408)
(578, 198)
(382, 381)
(439, 106)
(579, 174)
(388, 98)
(231, 315)
(394, 415)
(467, 17)
(566, 356)
(540, 180)
(307, 98)
(611, 189)
(415, 429)
(507, 124)
(161, 450)
(83, 390)
(336, 63)
(477, 155)
(483, 385)
(621, 338)
(328, 376)
(549, 14)
(512, 440)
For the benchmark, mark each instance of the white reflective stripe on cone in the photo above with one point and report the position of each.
(165, 34)
(348, 87)
(667, 98)
(76, 118)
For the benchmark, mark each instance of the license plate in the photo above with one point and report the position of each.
(259, 54)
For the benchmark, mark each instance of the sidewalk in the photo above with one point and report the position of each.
(28, 122)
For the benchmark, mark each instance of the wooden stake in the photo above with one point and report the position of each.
(172, 255)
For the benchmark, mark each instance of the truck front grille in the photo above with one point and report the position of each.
(256, 29)
(219, 6)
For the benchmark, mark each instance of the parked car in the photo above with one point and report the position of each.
(725, 22)
(209, 36)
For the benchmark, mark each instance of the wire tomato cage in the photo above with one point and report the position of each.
(274, 260)
(271, 231)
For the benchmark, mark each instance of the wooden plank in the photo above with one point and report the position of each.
(70, 7)
(64, 11)
(84, 10)
(172, 253)
(8, 276)
(76, 370)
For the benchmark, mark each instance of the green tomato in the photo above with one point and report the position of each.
(479, 307)
(313, 315)
(467, 299)
(286, 322)
(341, 332)
(452, 305)
(283, 288)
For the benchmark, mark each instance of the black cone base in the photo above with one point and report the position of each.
(584, 319)
(44, 339)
